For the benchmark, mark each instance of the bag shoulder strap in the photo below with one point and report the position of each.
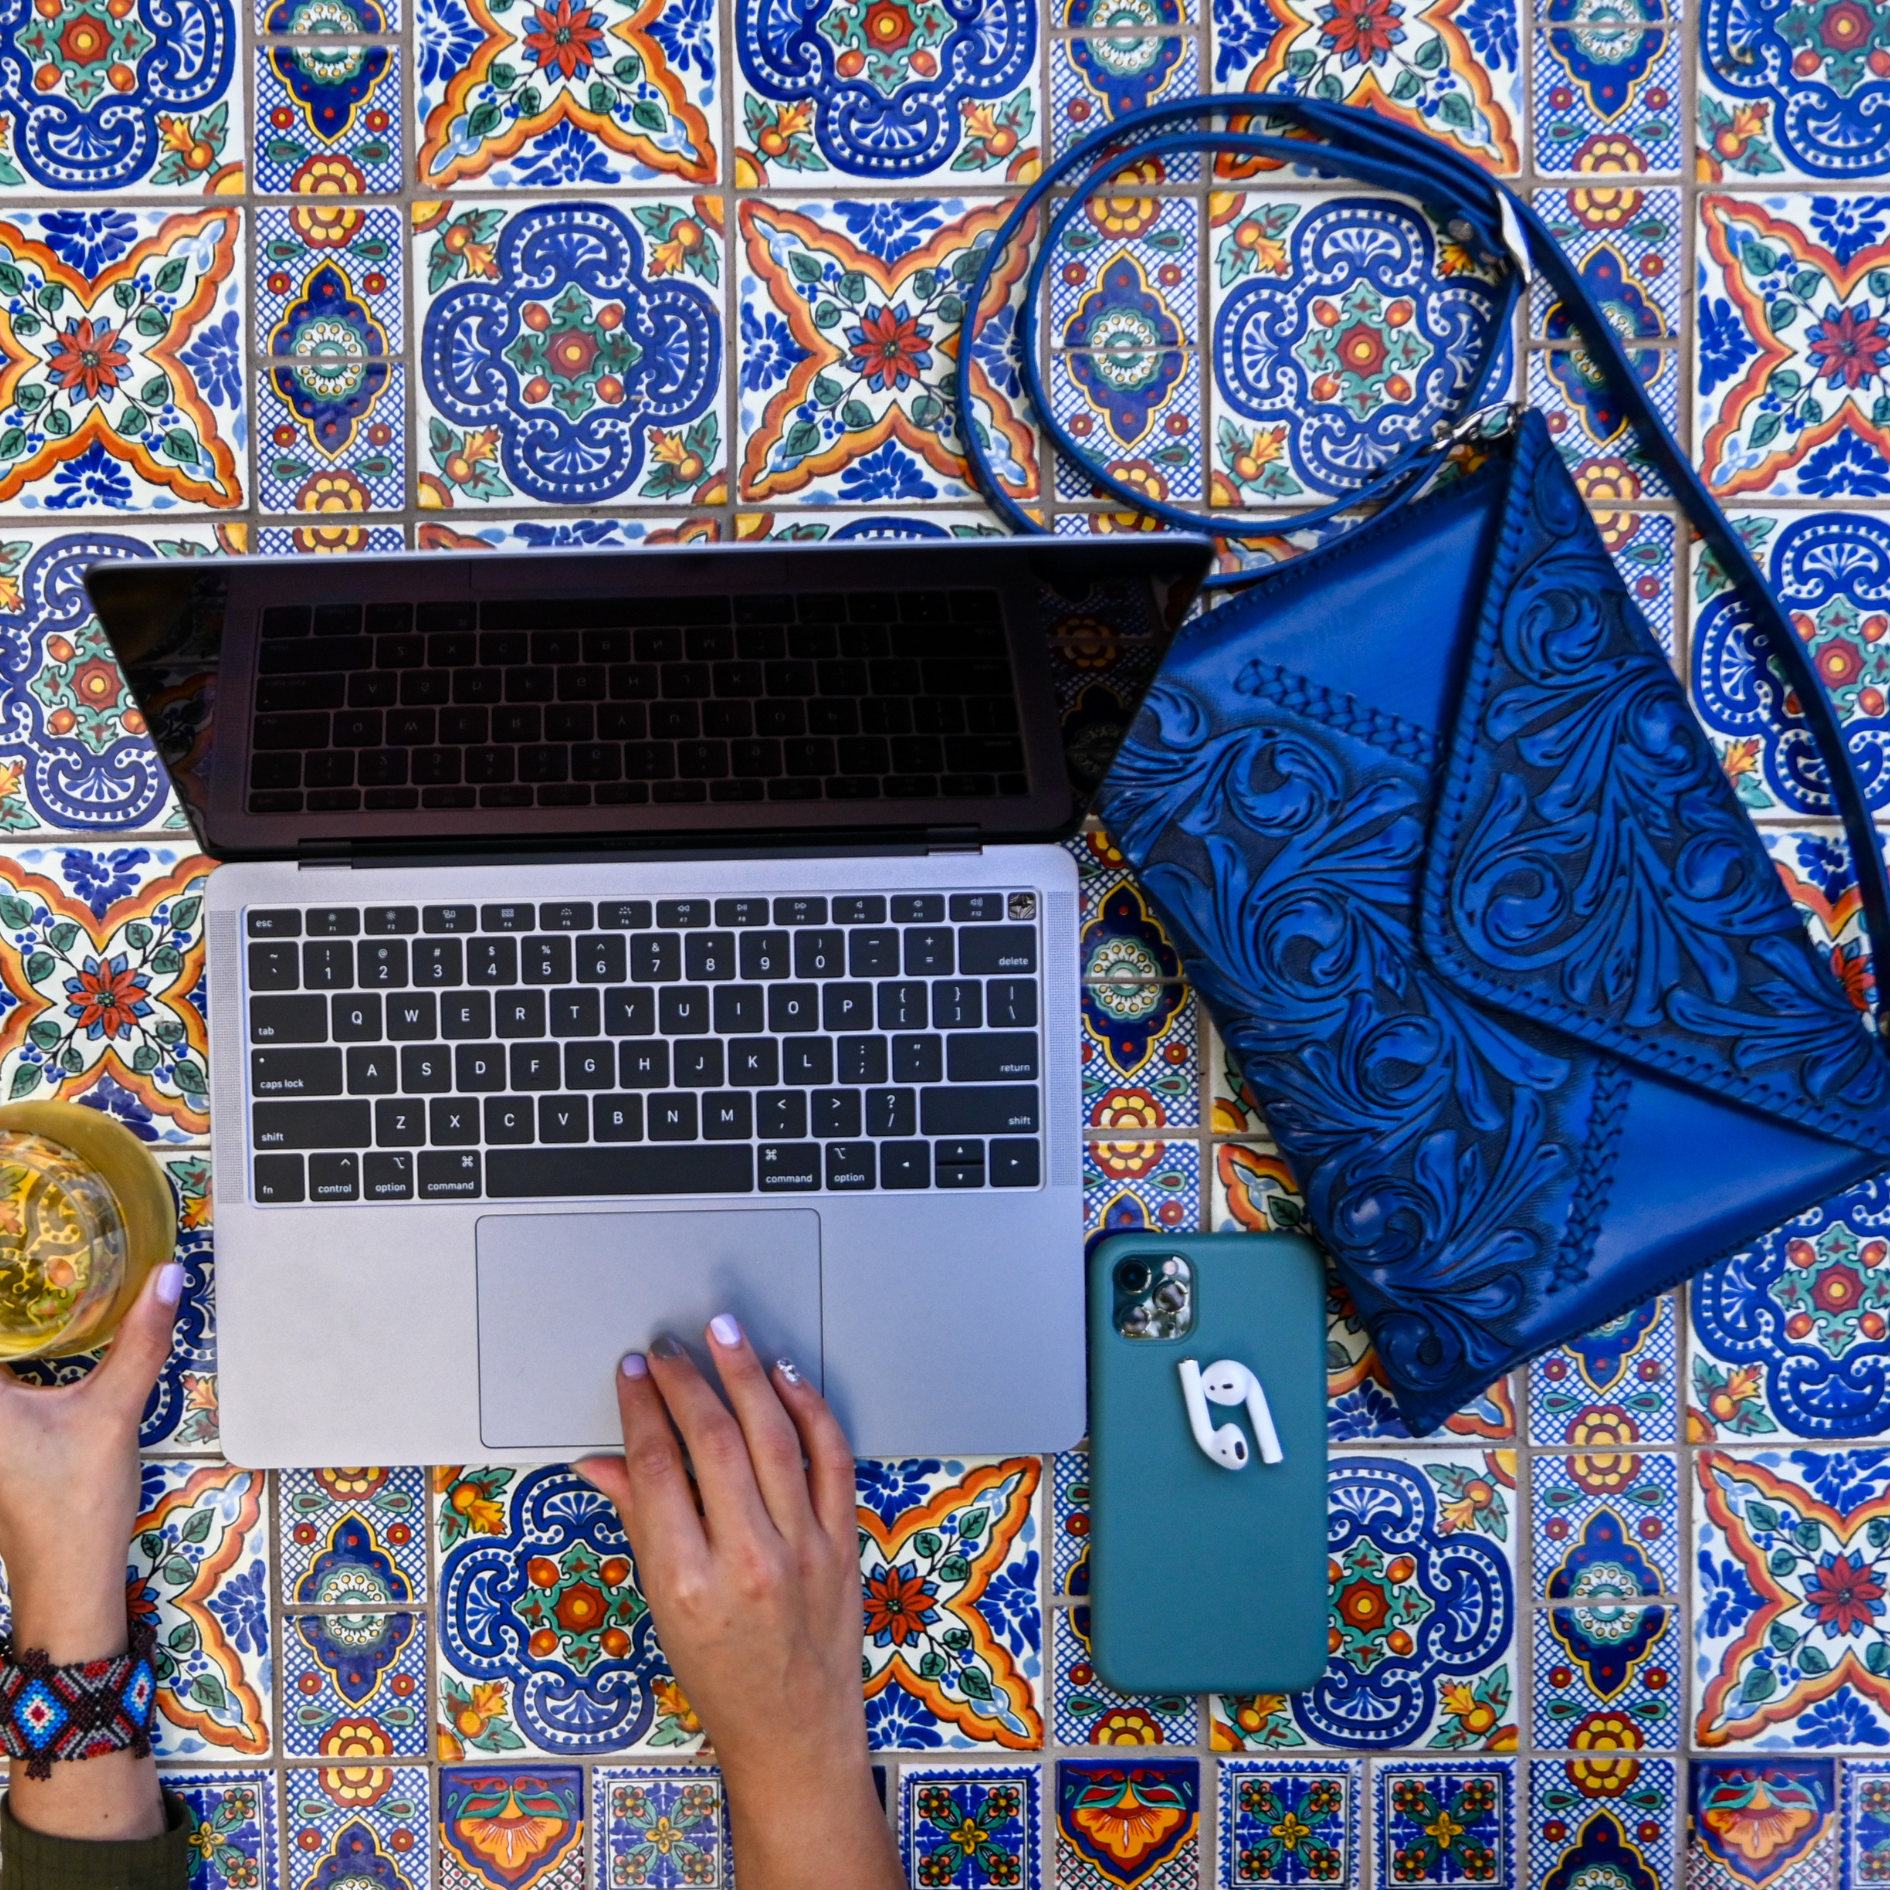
(1475, 209)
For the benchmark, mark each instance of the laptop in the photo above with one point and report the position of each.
(607, 940)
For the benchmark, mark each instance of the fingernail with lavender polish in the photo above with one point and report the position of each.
(635, 1365)
(726, 1331)
(170, 1282)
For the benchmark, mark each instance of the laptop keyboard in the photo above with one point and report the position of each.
(780, 1045)
(578, 702)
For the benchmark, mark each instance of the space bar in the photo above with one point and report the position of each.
(544, 1173)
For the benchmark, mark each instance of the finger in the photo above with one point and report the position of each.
(648, 1482)
(725, 1474)
(140, 1346)
(774, 1445)
(830, 1479)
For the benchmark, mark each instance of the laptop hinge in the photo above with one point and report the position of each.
(323, 853)
(953, 840)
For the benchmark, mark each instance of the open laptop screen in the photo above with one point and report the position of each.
(977, 688)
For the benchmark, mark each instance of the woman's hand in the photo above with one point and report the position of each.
(756, 1599)
(68, 1499)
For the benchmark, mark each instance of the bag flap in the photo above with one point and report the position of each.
(1589, 865)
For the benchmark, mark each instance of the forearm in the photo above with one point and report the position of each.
(814, 1833)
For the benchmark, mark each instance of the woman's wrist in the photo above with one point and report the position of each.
(72, 1620)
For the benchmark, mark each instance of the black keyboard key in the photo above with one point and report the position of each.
(324, 656)
(336, 1123)
(739, 1008)
(741, 912)
(600, 958)
(520, 918)
(1008, 1056)
(903, 1006)
(643, 1064)
(425, 1070)
(892, 1111)
(987, 950)
(850, 1166)
(438, 961)
(574, 1013)
(589, 1066)
(277, 1179)
(655, 957)
(436, 768)
(873, 954)
(492, 961)
(413, 1017)
(707, 956)
(781, 1112)
(355, 728)
(682, 1010)
(1015, 1164)
(479, 1068)
(957, 1004)
(446, 919)
(1011, 1004)
(630, 1013)
(381, 964)
(386, 1177)
(788, 1167)
(262, 923)
(698, 1063)
(449, 1177)
(793, 1007)
(861, 1059)
(400, 1124)
(820, 954)
(537, 1067)
(765, 954)
(928, 952)
(918, 908)
(466, 1016)
(334, 1178)
(846, 1007)
(295, 1072)
(727, 1116)
(285, 620)
(918, 1059)
(564, 1119)
(862, 909)
(274, 966)
(545, 961)
(390, 921)
(624, 915)
(617, 1118)
(754, 1062)
(959, 1164)
(453, 1122)
(708, 1168)
(976, 908)
(835, 1112)
(905, 1165)
(671, 1118)
(327, 964)
(300, 1019)
(331, 922)
(986, 1109)
(799, 910)
(807, 1060)
(373, 1069)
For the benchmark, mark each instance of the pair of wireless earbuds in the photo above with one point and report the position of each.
(1227, 1381)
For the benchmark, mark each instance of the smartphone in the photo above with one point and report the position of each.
(1206, 1578)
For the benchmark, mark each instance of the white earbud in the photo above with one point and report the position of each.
(1227, 1381)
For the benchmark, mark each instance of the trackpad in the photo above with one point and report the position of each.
(562, 1297)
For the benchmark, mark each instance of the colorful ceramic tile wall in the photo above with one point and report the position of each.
(322, 276)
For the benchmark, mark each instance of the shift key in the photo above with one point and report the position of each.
(343, 1123)
(979, 1109)
(295, 1073)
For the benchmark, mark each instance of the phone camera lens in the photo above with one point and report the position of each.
(1133, 1276)
(1171, 1297)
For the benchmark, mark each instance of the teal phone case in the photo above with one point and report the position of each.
(1204, 1579)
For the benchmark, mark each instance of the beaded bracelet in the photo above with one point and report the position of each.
(79, 1711)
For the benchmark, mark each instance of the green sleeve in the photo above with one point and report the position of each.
(32, 1861)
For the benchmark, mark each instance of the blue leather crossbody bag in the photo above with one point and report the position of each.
(1503, 960)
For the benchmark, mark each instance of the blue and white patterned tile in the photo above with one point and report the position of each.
(1830, 572)
(1791, 398)
(1602, 451)
(355, 1535)
(972, 1827)
(1445, 1825)
(1865, 1842)
(1815, 869)
(1618, 233)
(1128, 1823)
(232, 1827)
(1791, 1644)
(1142, 1094)
(1454, 72)
(102, 101)
(1609, 1675)
(1130, 1184)
(1788, 1337)
(1643, 548)
(330, 437)
(358, 1824)
(1290, 1821)
(599, 534)
(339, 303)
(890, 92)
(1069, 1522)
(1607, 90)
(664, 1827)
(598, 92)
(1342, 328)
(125, 391)
(1609, 1507)
(512, 1827)
(1628, 1365)
(1607, 1820)
(343, 19)
(1090, 1712)
(1100, 77)
(1761, 1824)
(1789, 92)
(328, 119)
(354, 1684)
(340, 535)
(1426, 1652)
(199, 1574)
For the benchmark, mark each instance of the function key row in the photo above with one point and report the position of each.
(635, 915)
(464, 618)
